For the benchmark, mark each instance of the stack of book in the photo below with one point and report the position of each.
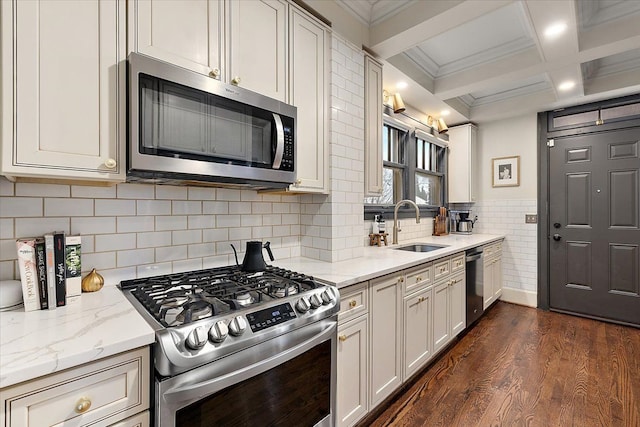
(50, 270)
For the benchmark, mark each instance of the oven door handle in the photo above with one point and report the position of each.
(195, 390)
(277, 158)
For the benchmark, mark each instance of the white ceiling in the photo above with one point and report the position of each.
(489, 59)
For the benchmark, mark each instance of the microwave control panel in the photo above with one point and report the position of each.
(288, 154)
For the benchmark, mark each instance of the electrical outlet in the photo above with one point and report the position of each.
(530, 218)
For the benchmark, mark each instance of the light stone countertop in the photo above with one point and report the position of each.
(89, 327)
(378, 261)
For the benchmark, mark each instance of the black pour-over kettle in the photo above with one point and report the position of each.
(253, 260)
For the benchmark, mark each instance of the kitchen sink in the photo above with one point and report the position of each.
(420, 247)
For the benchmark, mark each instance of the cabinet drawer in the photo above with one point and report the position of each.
(98, 393)
(354, 301)
(457, 262)
(140, 420)
(418, 278)
(441, 268)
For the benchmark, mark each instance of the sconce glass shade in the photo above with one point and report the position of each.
(398, 105)
(442, 126)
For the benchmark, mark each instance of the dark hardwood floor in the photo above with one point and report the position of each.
(525, 367)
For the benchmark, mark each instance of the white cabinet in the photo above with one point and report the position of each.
(372, 126)
(417, 330)
(99, 393)
(462, 164)
(492, 276)
(309, 62)
(185, 33)
(386, 336)
(353, 355)
(449, 306)
(238, 42)
(63, 89)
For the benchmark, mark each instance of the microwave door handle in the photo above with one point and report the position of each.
(277, 160)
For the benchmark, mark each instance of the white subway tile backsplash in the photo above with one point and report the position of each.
(116, 275)
(250, 220)
(153, 207)
(201, 221)
(201, 193)
(7, 270)
(105, 207)
(99, 261)
(129, 224)
(7, 188)
(187, 265)
(215, 208)
(40, 226)
(8, 250)
(227, 221)
(261, 208)
(68, 207)
(154, 239)
(135, 257)
(83, 191)
(115, 242)
(41, 190)
(88, 244)
(186, 237)
(6, 228)
(171, 253)
(228, 195)
(179, 207)
(93, 225)
(215, 234)
(135, 191)
(20, 207)
(201, 250)
(171, 192)
(171, 223)
(154, 269)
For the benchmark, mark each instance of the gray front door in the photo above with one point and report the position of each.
(594, 225)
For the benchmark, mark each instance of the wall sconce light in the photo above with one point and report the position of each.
(394, 101)
(442, 126)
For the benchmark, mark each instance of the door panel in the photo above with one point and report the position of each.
(594, 210)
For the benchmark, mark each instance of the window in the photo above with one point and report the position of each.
(414, 166)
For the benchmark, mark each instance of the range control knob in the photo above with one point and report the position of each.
(302, 306)
(315, 300)
(328, 296)
(196, 338)
(218, 331)
(237, 326)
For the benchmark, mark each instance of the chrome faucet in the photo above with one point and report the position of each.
(395, 217)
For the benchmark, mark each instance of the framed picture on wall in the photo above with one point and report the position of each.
(506, 171)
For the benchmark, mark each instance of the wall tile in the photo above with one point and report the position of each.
(41, 190)
(201, 193)
(171, 223)
(153, 207)
(128, 224)
(114, 207)
(7, 270)
(93, 192)
(135, 257)
(114, 242)
(201, 221)
(154, 269)
(171, 192)
(215, 235)
(99, 261)
(68, 207)
(171, 253)
(187, 265)
(6, 228)
(20, 207)
(186, 237)
(93, 225)
(135, 191)
(40, 226)
(7, 188)
(154, 239)
(179, 207)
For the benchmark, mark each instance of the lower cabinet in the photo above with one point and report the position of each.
(448, 310)
(101, 393)
(417, 331)
(141, 420)
(385, 317)
(352, 384)
(492, 276)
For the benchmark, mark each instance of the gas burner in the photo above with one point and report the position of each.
(282, 290)
(194, 310)
(245, 299)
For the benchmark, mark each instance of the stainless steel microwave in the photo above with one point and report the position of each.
(185, 127)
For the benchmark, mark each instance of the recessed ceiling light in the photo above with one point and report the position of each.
(555, 29)
(445, 112)
(401, 85)
(566, 85)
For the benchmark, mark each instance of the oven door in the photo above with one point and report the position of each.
(285, 381)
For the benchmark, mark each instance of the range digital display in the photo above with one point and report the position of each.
(269, 317)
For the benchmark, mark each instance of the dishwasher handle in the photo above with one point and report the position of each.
(471, 258)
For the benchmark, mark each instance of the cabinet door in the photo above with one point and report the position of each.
(417, 331)
(497, 278)
(185, 33)
(308, 43)
(386, 338)
(441, 328)
(258, 46)
(372, 127)
(488, 279)
(352, 371)
(68, 89)
(462, 159)
(457, 304)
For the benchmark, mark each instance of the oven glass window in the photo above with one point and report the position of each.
(296, 393)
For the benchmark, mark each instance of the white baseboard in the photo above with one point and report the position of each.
(520, 296)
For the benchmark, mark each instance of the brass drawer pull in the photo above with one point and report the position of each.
(342, 338)
(83, 405)
(352, 303)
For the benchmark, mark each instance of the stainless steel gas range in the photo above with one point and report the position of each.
(237, 349)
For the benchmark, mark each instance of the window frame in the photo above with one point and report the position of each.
(409, 169)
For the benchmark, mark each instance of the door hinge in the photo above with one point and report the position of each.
(551, 143)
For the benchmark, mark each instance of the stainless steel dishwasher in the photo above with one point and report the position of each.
(474, 266)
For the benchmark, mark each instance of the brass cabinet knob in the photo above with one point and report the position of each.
(297, 182)
(110, 163)
(235, 81)
(419, 279)
(352, 303)
(83, 405)
(422, 299)
(342, 337)
(215, 73)
(400, 279)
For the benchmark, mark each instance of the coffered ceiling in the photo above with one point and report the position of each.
(490, 59)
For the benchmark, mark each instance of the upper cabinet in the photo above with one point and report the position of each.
(268, 46)
(372, 126)
(462, 164)
(63, 89)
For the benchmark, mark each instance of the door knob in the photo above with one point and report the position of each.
(557, 237)
(556, 225)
